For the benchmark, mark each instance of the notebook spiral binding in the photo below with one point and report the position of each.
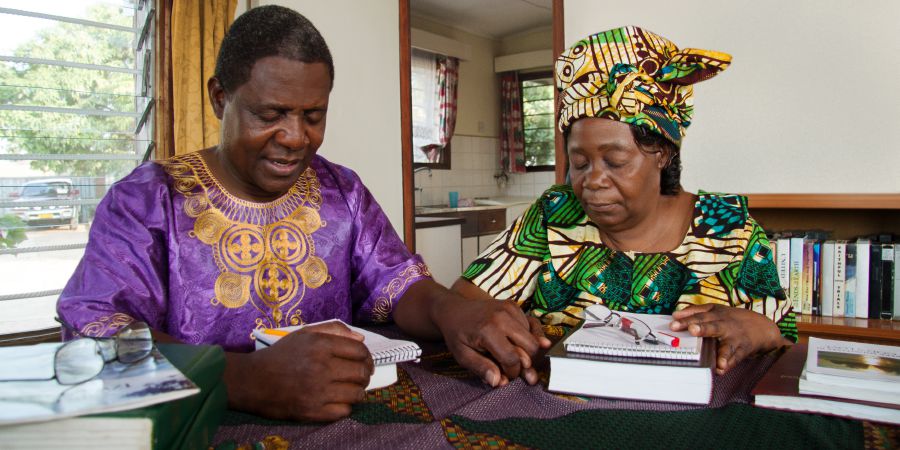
(667, 353)
(400, 354)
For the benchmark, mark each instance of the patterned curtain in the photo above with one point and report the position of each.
(447, 77)
(197, 30)
(512, 135)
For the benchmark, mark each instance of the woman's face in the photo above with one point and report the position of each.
(616, 182)
(272, 125)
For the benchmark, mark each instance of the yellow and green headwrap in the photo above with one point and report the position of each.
(633, 76)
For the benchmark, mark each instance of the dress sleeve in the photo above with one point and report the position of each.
(122, 275)
(382, 267)
(508, 268)
(758, 286)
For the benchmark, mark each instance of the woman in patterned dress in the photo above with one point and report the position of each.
(624, 233)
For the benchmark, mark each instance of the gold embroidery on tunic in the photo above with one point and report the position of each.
(264, 249)
(106, 323)
(385, 304)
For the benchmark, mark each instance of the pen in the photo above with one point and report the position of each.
(275, 332)
(668, 339)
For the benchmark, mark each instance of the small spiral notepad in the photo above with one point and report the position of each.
(611, 341)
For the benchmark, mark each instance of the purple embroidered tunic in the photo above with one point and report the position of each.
(171, 247)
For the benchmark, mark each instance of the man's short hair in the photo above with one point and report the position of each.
(268, 31)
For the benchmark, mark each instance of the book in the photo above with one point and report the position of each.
(876, 279)
(386, 352)
(896, 310)
(813, 253)
(779, 389)
(863, 254)
(850, 280)
(826, 276)
(863, 365)
(840, 252)
(888, 285)
(636, 378)
(796, 277)
(784, 263)
(611, 341)
(188, 422)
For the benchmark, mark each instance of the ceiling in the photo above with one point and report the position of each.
(492, 18)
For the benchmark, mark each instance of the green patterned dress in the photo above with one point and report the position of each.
(552, 262)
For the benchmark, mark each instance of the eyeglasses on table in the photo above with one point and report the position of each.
(601, 316)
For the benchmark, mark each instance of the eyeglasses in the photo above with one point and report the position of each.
(601, 316)
(82, 359)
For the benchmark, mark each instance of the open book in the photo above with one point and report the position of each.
(386, 353)
(855, 370)
(612, 341)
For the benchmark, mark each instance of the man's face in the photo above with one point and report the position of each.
(272, 125)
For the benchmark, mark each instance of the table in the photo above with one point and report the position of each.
(438, 404)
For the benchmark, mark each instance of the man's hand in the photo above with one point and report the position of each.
(740, 332)
(494, 339)
(314, 374)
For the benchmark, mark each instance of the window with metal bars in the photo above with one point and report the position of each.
(76, 101)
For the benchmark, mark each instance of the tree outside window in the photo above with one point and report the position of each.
(537, 114)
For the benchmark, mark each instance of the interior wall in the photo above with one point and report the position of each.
(808, 105)
(363, 130)
(528, 41)
(478, 97)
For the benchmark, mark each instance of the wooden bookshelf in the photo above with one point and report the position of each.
(846, 216)
(849, 329)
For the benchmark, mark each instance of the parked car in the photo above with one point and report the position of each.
(47, 191)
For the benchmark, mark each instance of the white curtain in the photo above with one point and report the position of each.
(426, 129)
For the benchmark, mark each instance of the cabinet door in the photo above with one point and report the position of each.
(469, 251)
(484, 241)
(440, 249)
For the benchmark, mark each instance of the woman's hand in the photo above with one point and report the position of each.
(740, 332)
(492, 338)
(314, 374)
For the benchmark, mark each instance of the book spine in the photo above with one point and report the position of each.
(796, 271)
(826, 275)
(863, 249)
(887, 286)
(850, 280)
(808, 281)
(896, 284)
(817, 278)
(784, 263)
(840, 251)
(875, 281)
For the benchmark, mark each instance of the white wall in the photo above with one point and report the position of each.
(363, 131)
(810, 104)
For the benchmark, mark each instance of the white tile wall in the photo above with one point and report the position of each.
(473, 166)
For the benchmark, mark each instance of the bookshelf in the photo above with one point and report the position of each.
(847, 216)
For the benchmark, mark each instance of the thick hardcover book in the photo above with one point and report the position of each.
(651, 379)
(863, 254)
(779, 389)
(386, 353)
(876, 279)
(826, 276)
(840, 260)
(186, 423)
(850, 281)
(896, 309)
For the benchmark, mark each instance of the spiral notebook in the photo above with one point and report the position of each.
(611, 341)
(386, 352)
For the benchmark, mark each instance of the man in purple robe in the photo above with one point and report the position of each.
(260, 232)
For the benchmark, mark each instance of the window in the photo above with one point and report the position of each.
(539, 126)
(427, 150)
(76, 97)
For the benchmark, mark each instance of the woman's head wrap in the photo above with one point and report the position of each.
(633, 76)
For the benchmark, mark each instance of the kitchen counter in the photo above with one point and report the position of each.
(433, 222)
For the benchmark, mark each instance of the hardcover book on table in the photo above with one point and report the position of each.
(595, 361)
(779, 389)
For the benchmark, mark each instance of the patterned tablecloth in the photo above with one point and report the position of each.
(438, 404)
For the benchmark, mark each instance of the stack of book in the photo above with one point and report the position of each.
(839, 278)
(174, 398)
(606, 362)
(845, 379)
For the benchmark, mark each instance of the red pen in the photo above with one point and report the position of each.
(668, 339)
